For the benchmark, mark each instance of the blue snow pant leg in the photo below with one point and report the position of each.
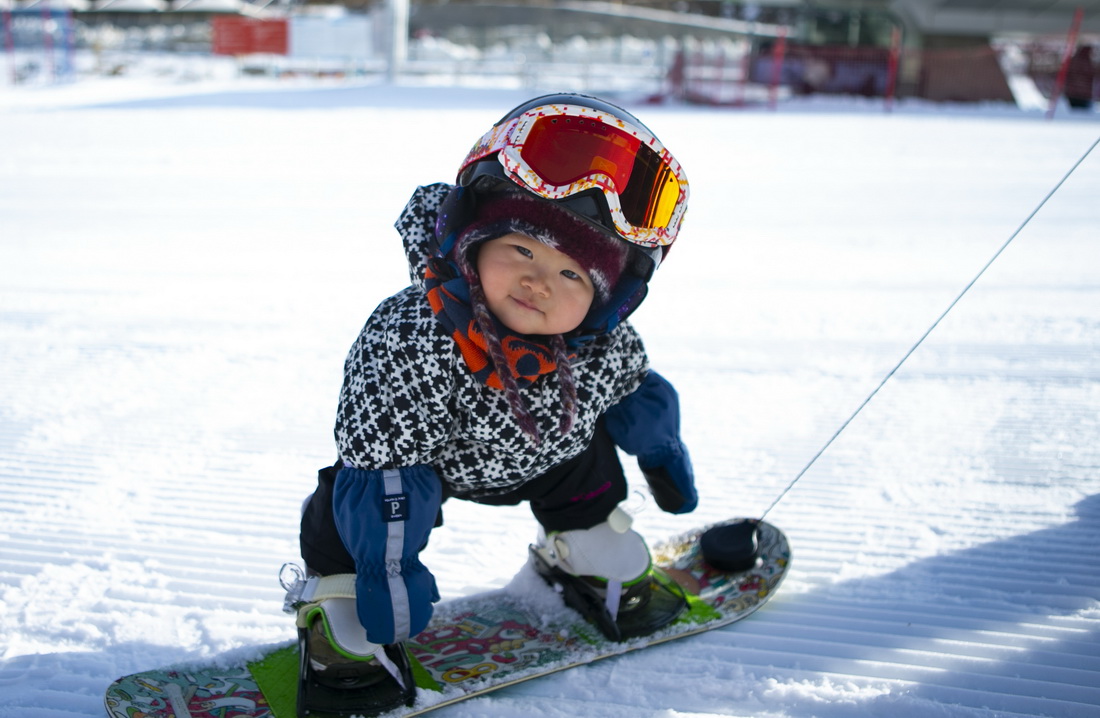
(384, 518)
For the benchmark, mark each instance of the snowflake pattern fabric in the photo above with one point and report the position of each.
(408, 398)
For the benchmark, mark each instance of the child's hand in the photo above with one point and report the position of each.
(384, 518)
(647, 425)
(671, 480)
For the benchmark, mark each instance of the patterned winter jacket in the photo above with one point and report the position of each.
(408, 398)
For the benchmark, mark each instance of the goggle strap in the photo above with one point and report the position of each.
(492, 141)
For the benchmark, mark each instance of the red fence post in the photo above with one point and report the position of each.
(778, 51)
(892, 67)
(1071, 45)
(677, 74)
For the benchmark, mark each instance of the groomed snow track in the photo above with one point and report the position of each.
(179, 286)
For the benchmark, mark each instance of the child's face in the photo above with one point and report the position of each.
(532, 288)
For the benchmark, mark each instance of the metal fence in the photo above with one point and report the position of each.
(734, 71)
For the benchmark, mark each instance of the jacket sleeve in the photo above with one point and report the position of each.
(646, 424)
(394, 413)
(395, 404)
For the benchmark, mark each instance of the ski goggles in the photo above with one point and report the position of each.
(558, 151)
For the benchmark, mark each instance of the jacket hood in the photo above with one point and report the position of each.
(416, 225)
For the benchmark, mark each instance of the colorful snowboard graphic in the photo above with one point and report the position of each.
(473, 645)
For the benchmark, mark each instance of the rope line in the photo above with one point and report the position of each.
(924, 336)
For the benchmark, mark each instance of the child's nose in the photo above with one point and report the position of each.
(536, 279)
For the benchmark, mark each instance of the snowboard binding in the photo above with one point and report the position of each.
(606, 573)
(368, 689)
(645, 606)
(340, 673)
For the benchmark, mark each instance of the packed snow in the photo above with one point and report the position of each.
(184, 266)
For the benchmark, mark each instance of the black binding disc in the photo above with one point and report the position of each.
(731, 547)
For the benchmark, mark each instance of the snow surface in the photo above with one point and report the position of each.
(184, 267)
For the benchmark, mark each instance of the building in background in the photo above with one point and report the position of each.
(714, 51)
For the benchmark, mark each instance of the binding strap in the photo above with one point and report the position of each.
(331, 599)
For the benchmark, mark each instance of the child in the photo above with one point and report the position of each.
(505, 373)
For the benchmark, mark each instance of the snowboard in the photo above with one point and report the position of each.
(473, 645)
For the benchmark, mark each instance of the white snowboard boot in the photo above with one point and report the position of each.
(341, 672)
(607, 574)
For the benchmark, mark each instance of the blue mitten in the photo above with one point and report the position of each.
(646, 424)
(384, 518)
